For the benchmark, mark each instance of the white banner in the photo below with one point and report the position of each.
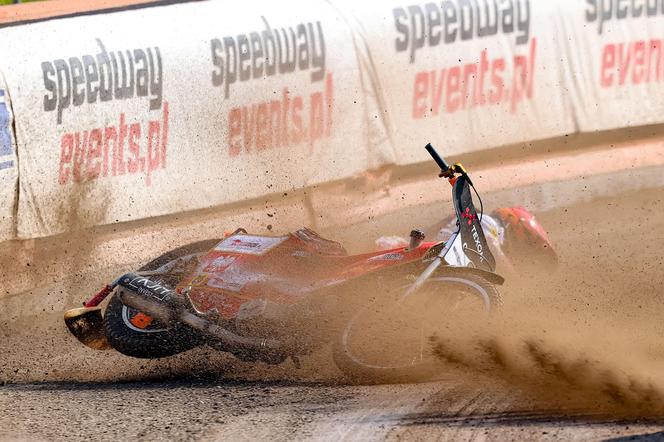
(614, 61)
(465, 75)
(8, 166)
(142, 113)
(156, 111)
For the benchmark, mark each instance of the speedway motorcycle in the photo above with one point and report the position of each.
(271, 298)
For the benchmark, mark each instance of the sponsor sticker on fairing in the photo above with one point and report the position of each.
(249, 244)
(220, 264)
(388, 257)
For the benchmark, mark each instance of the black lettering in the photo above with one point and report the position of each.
(91, 77)
(401, 44)
(636, 11)
(231, 71)
(49, 84)
(64, 87)
(270, 48)
(450, 16)
(77, 79)
(621, 10)
(523, 22)
(141, 73)
(434, 19)
(591, 12)
(156, 79)
(256, 55)
(287, 57)
(416, 30)
(490, 27)
(508, 16)
(218, 62)
(105, 88)
(244, 57)
(605, 14)
(651, 7)
(317, 56)
(124, 87)
(466, 19)
(303, 42)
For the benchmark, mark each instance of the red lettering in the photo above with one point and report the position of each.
(66, 152)
(480, 96)
(639, 74)
(655, 52)
(263, 131)
(93, 165)
(469, 76)
(275, 123)
(284, 117)
(437, 89)
(497, 70)
(248, 122)
(316, 123)
(234, 132)
(624, 59)
(420, 94)
(135, 163)
(118, 167)
(79, 154)
(298, 130)
(519, 81)
(453, 101)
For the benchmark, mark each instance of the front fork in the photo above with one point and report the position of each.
(431, 268)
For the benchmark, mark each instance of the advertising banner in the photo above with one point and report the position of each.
(466, 75)
(162, 110)
(614, 61)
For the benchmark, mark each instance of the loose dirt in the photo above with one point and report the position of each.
(577, 355)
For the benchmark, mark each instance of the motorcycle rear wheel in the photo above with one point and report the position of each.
(390, 341)
(152, 340)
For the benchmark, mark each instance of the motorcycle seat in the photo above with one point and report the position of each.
(319, 244)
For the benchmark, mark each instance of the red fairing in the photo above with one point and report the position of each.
(283, 269)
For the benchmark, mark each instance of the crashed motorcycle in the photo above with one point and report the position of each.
(273, 298)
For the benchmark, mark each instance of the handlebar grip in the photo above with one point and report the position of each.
(437, 158)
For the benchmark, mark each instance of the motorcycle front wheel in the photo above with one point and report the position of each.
(393, 340)
(135, 334)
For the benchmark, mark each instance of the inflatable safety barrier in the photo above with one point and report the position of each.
(160, 110)
(469, 74)
(150, 112)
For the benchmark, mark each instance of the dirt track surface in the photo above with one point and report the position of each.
(580, 352)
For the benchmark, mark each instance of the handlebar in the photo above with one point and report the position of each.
(437, 158)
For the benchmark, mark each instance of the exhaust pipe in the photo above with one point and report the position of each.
(170, 309)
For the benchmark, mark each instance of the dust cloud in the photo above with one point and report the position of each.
(587, 336)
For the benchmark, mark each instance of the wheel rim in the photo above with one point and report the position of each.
(129, 316)
(419, 353)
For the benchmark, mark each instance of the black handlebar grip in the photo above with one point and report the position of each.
(437, 158)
